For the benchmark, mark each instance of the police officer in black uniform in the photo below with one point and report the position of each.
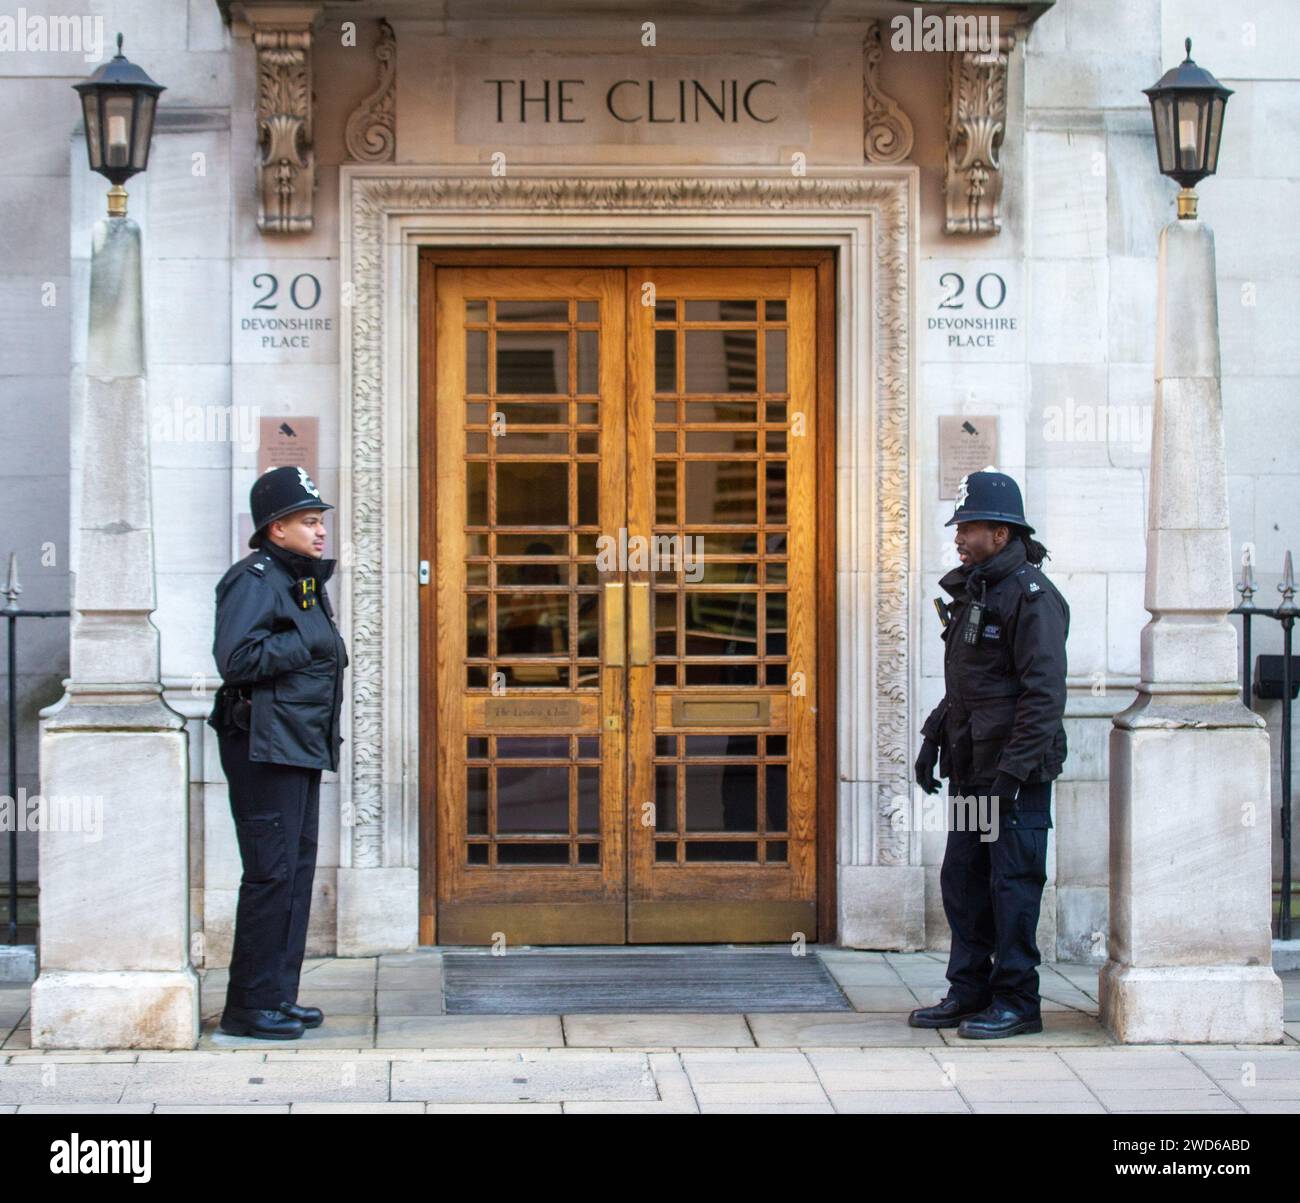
(996, 735)
(276, 716)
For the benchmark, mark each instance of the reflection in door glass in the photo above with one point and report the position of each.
(722, 797)
(721, 491)
(774, 361)
(721, 624)
(532, 494)
(589, 799)
(665, 361)
(532, 361)
(476, 361)
(729, 310)
(721, 361)
(550, 310)
(533, 800)
(532, 624)
(588, 362)
(476, 800)
(665, 797)
(476, 494)
(777, 791)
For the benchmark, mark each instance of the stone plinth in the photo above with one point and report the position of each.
(114, 838)
(1190, 866)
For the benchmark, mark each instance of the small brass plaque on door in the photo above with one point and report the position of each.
(754, 711)
(531, 712)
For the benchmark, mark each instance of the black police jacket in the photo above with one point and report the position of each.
(1004, 683)
(287, 659)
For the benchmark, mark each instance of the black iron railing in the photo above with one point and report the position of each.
(1286, 615)
(13, 612)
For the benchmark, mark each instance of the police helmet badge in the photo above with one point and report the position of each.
(308, 486)
(963, 485)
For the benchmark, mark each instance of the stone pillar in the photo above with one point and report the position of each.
(1190, 944)
(114, 907)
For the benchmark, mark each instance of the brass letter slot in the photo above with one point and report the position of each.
(755, 711)
(615, 656)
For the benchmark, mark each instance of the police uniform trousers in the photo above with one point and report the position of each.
(276, 809)
(992, 890)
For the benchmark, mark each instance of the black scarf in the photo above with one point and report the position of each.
(971, 578)
(299, 565)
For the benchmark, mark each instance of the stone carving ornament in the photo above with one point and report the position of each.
(370, 135)
(977, 115)
(287, 171)
(887, 131)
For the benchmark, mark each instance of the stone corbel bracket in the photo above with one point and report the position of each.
(886, 129)
(977, 115)
(286, 172)
(371, 132)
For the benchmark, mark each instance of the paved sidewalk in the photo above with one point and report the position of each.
(388, 1046)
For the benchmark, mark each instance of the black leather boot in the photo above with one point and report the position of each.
(264, 1024)
(309, 1017)
(997, 1022)
(946, 1013)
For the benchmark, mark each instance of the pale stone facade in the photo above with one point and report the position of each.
(1079, 208)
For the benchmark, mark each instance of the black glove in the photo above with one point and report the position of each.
(925, 763)
(1005, 787)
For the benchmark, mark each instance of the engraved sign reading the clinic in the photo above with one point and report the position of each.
(973, 311)
(750, 100)
(531, 712)
(966, 444)
(285, 311)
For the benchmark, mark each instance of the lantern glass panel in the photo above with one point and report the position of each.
(1162, 113)
(118, 108)
(90, 107)
(1217, 104)
(1202, 106)
(1184, 135)
(144, 112)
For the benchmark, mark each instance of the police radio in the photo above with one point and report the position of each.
(971, 631)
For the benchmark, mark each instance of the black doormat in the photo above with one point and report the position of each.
(699, 979)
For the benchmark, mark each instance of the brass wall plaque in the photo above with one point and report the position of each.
(965, 445)
(531, 712)
(752, 711)
(290, 440)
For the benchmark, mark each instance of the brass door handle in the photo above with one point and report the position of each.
(641, 602)
(612, 625)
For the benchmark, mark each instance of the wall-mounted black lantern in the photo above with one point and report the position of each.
(1187, 110)
(118, 102)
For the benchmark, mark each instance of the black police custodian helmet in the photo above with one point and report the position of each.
(989, 496)
(279, 492)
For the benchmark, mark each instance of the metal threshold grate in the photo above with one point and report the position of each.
(702, 979)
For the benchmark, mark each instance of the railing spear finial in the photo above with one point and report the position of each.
(13, 588)
(1247, 585)
(1287, 586)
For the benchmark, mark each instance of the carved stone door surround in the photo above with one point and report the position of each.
(869, 215)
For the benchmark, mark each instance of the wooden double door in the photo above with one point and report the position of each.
(620, 627)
